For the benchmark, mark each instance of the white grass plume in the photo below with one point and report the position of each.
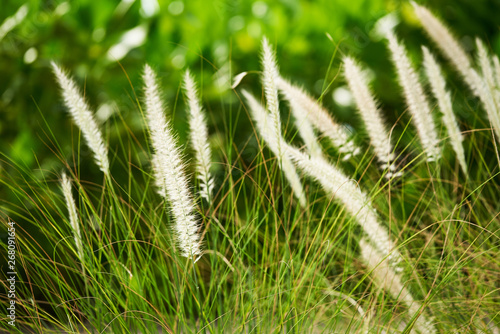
(496, 65)
(369, 112)
(319, 117)
(264, 124)
(83, 117)
(199, 137)
(438, 86)
(462, 63)
(306, 130)
(270, 74)
(487, 70)
(392, 282)
(347, 192)
(448, 44)
(73, 216)
(415, 99)
(488, 91)
(169, 167)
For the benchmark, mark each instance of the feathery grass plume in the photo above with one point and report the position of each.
(488, 90)
(265, 124)
(73, 216)
(158, 175)
(320, 118)
(496, 65)
(448, 44)
(415, 99)
(438, 86)
(348, 193)
(370, 113)
(462, 63)
(306, 130)
(392, 282)
(270, 74)
(169, 168)
(199, 137)
(83, 117)
(487, 70)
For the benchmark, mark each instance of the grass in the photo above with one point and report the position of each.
(269, 266)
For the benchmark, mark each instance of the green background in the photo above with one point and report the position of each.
(216, 39)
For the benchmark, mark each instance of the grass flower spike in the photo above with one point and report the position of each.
(319, 117)
(370, 113)
(354, 200)
(305, 127)
(392, 282)
(270, 74)
(199, 137)
(169, 167)
(265, 126)
(480, 85)
(83, 117)
(448, 44)
(73, 216)
(438, 87)
(415, 99)
(489, 91)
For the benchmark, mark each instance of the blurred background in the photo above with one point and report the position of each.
(105, 45)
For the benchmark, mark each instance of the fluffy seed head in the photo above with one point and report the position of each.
(348, 193)
(199, 137)
(270, 74)
(73, 216)
(83, 117)
(369, 112)
(443, 97)
(448, 44)
(169, 168)
(392, 282)
(303, 124)
(415, 99)
(319, 117)
(479, 84)
(488, 90)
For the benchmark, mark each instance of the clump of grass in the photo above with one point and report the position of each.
(278, 256)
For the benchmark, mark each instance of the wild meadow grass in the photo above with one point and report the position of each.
(388, 229)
